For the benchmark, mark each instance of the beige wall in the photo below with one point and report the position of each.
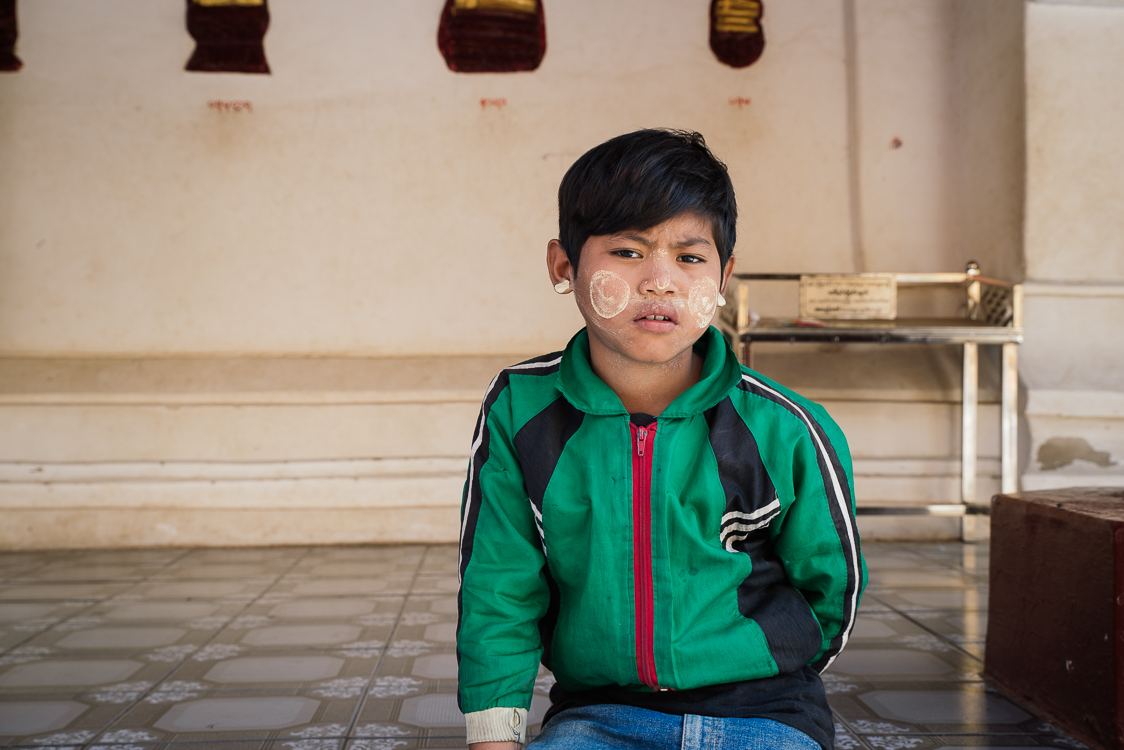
(370, 206)
(197, 307)
(946, 80)
(1073, 359)
(1075, 176)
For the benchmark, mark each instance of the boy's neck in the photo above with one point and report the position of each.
(642, 387)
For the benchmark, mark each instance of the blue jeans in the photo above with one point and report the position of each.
(614, 727)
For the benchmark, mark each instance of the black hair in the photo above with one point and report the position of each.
(641, 179)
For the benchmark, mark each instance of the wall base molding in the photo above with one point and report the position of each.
(207, 504)
(1076, 439)
(132, 527)
(199, 452)
(360, 501)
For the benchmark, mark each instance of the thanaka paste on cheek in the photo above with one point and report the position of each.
(608, 293)
(702, 301)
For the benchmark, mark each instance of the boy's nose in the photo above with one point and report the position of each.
(659, 273)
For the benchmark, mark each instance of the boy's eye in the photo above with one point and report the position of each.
(626, 253)
(691, 259)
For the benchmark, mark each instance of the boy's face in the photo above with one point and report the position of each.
(646, 295)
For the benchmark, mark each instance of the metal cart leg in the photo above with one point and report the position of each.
(970, 530)
(969, 412)
(1009, 428)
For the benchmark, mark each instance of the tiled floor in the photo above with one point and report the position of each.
(351, 648)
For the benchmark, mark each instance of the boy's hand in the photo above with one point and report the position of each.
(495, 746)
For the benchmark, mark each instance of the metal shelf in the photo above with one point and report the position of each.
(993, 318)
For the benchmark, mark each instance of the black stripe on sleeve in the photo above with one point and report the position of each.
(783, 615)
(749, 491)
(540, 443)
(470, 501)
(765, 596)
(837, 489)
(478, 457)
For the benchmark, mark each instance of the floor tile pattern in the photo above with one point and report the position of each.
(353, 648)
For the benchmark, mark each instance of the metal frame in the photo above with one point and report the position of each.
(993, 317)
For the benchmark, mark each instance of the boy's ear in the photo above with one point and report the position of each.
(558, 263)
(727, 272)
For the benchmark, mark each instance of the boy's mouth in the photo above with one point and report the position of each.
(658, 318)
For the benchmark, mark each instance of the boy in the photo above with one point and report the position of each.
(670, 533)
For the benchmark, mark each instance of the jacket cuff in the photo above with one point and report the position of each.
(499, 724)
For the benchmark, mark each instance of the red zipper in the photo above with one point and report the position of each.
(644, 439)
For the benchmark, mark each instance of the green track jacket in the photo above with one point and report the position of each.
(717, 544)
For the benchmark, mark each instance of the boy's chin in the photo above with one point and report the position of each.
(644, 347)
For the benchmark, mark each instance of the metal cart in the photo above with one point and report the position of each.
(992, 316)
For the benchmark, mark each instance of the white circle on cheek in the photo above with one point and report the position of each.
(702, 301)
(608, 293)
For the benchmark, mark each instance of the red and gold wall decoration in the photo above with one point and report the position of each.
(736, 35)
(228, 35)
(492, 36)
(9, 32)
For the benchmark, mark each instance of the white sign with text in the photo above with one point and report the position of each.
(868, 296)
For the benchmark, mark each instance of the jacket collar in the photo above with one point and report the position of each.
(590, 394)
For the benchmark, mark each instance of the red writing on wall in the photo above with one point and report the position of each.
(497, 103)
(235, 106)
(739, 101)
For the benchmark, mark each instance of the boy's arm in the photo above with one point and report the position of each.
(503, 592)
(818, 539)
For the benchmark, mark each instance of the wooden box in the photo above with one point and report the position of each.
(1055, 634)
